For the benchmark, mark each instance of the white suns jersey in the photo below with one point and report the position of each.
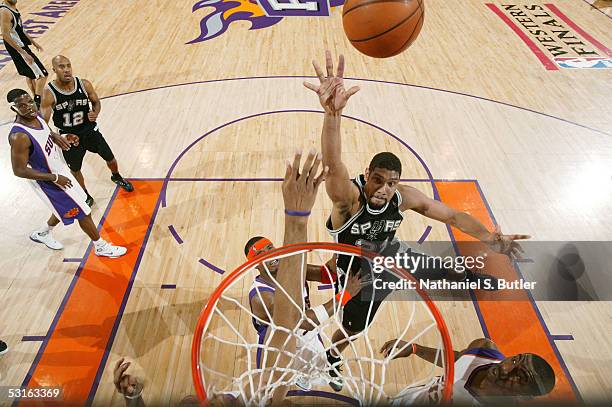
(46, 155)
(466, 367)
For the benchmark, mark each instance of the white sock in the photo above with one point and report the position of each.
(45, 229)
(99, 243)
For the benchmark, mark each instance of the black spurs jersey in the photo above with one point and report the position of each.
(369, 224)
(17, 33)
(70, 110)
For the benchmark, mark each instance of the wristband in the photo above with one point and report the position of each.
(327, 276)
(343, 297)
(56, 177)
(414, 348)
(296, 213)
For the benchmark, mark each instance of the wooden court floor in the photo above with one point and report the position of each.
(477, 118)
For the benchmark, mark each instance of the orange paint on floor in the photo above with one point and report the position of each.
(77, 345)
(512, 324)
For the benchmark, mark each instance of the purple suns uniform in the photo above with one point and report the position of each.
(67, 204)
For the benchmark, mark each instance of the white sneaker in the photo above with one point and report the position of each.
(46, 239)
(108, 250)
(303, 383)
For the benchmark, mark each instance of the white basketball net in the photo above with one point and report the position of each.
(229, 345)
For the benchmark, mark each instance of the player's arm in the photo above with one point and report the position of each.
(432, 355)
(6, 22)
(414, 199)
(417, 201)
(96, 104)
(20, 153)
(325, 273)
(299, 194)
(47, 104)
(338, 185)
(260, 303)
(333, 99)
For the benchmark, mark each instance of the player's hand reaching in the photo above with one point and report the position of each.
(64, 142)
(63, 181)
(388, 347)
(353, 285)
(300, 189)
(332, 95)
(506, 244)
(126, 384)
(73, 139)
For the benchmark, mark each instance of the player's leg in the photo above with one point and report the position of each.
(74, 198)
(74, 158)
(31, 85)
(101, 246)
(357, 314)
(44, 236)
(38, 75)
(103, 149)
(39, 85)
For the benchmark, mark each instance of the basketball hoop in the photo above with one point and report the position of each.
(223, 331)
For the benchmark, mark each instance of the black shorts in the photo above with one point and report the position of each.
(92, 141)
(355, 313)
(34, 71)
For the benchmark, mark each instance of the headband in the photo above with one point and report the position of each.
(257, 246)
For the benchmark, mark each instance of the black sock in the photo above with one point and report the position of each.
(116, 175)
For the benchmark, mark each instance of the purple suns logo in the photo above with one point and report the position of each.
(261, 13)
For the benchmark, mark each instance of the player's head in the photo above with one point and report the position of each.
(258, 245)
(62, 68)
(11, 2)
(382, 178)
(21, 103)
(525, 374)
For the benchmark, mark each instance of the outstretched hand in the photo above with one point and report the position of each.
(125, 383)
(394, 345)
(300, 189)
(332, 95)
(506, 244)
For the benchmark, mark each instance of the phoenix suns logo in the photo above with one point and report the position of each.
(71, 213)
(261, 14)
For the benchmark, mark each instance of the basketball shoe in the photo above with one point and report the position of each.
(46, 239)
(106, 249)
(122, 182)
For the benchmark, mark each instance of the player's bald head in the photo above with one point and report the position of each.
(59, 59)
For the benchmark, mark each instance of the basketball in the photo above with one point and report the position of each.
(382, 28)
